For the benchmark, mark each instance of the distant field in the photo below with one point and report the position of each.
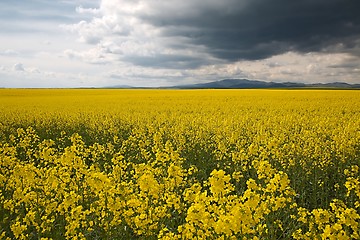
(179, 164)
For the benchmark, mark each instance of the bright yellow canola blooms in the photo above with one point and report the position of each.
(179, 164)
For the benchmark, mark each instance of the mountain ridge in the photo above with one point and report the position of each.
(248, 84)
(255, 84)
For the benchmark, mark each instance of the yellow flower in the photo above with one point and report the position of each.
(17, 228)
(149, 184)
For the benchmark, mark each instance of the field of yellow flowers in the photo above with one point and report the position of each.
(179, 164)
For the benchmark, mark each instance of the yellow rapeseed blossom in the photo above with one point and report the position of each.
(170, 164)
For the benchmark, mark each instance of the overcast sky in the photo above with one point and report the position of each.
(92, 43)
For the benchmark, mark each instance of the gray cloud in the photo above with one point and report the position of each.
(19, 67)
(180, 40)
(220, 31)
(169, 61)
(258, 29)
(348, 63)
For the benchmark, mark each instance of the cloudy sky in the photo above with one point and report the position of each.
(92, 43)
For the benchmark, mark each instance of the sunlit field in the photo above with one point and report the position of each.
(179, 164)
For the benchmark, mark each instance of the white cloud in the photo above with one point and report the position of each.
(119, 30)
(92, 11)
(21, 76)
(311, 67)
(9, 52)
(96, 55)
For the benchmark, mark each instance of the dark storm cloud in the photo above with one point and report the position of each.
(257, 29)
(166, 61)
(350, 63)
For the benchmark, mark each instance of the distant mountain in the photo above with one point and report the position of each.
(119, 86)
(251, 84)
(247, 84)
(335, 85)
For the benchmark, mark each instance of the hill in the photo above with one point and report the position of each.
(253, 84)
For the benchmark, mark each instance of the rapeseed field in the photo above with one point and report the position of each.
(179, 164)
